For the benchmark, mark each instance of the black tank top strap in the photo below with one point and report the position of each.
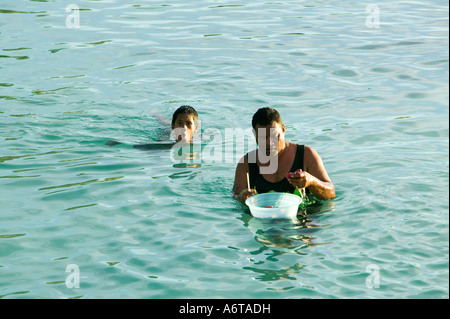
(258, 182)
(298, 160)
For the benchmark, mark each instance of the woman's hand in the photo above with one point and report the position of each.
(300, 179)
(320, 189)
(246, 193)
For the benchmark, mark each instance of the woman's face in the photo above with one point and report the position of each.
(270, 138)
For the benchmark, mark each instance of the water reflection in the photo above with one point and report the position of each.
(186, 155)
(182, 155)
(185, 174)
(280, 236)
(276, 274)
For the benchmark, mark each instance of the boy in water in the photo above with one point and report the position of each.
(184, 125)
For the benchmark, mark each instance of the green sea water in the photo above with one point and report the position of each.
(367, 87)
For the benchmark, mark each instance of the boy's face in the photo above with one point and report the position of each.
(184, 127)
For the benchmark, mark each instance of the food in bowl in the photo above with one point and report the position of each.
(274, 205)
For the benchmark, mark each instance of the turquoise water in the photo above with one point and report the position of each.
(372, 101)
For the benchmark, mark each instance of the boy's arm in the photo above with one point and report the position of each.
(166, 125)
(112, 143)
(161, 119)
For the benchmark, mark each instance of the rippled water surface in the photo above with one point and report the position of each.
(372, 101)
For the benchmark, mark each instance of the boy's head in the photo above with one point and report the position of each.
(185, 123)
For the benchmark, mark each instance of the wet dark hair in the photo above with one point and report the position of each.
(266, 116)
(185, 109)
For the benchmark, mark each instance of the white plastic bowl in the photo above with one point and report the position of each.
(285, 205)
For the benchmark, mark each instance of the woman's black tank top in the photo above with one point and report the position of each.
(258, 182)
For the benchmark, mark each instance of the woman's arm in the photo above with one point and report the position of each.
(240, 189)
(314, 177)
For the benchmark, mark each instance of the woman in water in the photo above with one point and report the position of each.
(279, 165)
